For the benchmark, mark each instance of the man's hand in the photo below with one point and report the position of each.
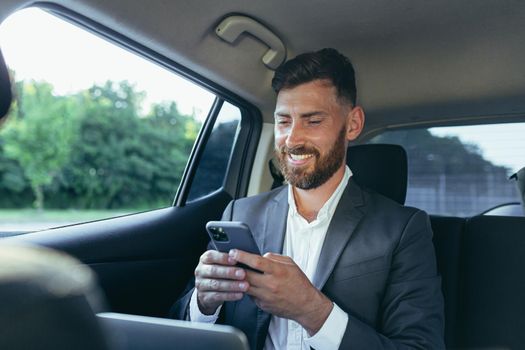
(283, 290)
(217, 281)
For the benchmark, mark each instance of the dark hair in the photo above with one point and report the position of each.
(327, 64)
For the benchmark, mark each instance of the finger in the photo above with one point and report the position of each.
(279, 258)
(256, 292)
(220, 272)
(216, 257)
(219, 297)
(256, 279)
(254, 261)
(215, 285)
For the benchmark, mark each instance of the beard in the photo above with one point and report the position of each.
(325, 166)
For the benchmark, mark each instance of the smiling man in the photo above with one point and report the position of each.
(343, 267)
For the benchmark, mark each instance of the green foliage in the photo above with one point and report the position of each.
(39, 138)
(14, 186)
(93, 149)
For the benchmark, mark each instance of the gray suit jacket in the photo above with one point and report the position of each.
(377, 264)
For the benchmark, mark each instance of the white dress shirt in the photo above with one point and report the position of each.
(303, 242)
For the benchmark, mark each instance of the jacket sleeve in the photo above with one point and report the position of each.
(180, 310)
(412, 306)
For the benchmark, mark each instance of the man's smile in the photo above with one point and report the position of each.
(298, 157)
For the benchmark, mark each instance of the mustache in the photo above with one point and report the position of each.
(298, 150)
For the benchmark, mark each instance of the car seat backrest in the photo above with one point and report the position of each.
(481, 262)
(381, 168)
(492, 303)
(448, 235)
(5, 88)
(49, 301)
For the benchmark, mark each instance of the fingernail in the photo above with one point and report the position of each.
(242, 285)
(239, 273)
(232, 253)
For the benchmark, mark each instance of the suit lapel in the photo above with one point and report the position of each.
(272, 241)
(344, 222)
(275, 228)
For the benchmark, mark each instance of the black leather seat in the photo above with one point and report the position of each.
(48, 301)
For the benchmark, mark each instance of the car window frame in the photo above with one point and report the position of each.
(243, 151)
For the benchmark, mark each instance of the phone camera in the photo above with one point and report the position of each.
(219, 235)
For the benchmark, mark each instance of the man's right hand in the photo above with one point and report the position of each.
(217, 280)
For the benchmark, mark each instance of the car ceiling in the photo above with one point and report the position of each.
(416, 61)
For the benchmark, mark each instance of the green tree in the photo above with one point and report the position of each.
(121, 159)
(15, 191)
(39, 134)
(107, 118)
(92, 149)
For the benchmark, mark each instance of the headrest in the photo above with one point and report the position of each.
(5, 88)
(49, 301)
(381, 168)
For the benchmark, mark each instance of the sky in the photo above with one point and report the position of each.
(39, 46)
(33, 44)
(502, 144)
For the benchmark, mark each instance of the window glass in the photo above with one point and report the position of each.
(465, 170)
(95, 131)
(214, 162)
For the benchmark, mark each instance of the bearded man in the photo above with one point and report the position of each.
(343, 267)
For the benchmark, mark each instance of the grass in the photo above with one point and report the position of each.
(54, 215)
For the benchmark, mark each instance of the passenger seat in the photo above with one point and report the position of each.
(492, 302)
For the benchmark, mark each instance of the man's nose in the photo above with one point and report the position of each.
(295, 136)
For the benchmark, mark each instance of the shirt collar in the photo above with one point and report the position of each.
(328, 208)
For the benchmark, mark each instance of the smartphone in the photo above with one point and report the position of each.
(226, 235)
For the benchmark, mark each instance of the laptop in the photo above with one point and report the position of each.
(132, 332)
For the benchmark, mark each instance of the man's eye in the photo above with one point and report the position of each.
(283, 122)
(314, 121)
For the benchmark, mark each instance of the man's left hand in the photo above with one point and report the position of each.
(283, 290)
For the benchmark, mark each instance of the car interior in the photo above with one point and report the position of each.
(419, 65)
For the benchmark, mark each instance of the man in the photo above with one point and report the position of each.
(342, 267)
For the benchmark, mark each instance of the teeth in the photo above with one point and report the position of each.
(300, 156)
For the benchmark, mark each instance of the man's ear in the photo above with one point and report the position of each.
(355, 123)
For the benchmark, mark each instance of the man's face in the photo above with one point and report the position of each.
(310, 133)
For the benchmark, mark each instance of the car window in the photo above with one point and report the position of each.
(213, 165)
(463, 170)
(95, 131)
